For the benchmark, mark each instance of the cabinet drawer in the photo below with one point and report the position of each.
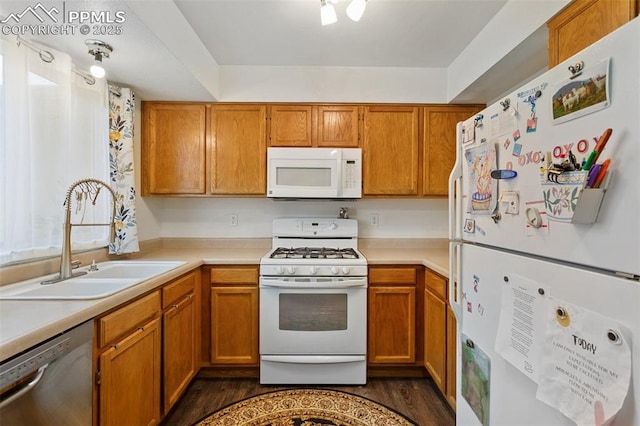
(120, 322)
(178, 288)
(392, 275)
(437, 284)
(236, 275)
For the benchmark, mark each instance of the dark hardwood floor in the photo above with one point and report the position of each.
(417, 398)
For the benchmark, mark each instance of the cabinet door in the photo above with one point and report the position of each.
(291, 125)
(238, 149)
(392, 325)
(130, 379)
(583, 22)
(338, 126)
(435, 317)
(452, 348)
(179, 349)
(440, 145)
(390, 150)
(173, 149)
(234, 325)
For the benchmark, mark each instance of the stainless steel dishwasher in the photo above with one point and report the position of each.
(50, 384)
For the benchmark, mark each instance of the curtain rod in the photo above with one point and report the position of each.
(48, 57)
(45, 55)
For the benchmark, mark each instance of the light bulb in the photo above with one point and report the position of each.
(356, 8)
(96, 70)
(327, 13)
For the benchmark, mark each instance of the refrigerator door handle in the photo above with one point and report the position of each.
(455, 196)
(454, 278)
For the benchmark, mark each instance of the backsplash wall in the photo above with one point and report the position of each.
(211, 217)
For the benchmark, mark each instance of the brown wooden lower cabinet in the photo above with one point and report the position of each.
(233, 318)
(147, 351)
(130, 378)
(440, 336)
(392, 316)
(145, 354)
(234, 325)
(179, 328)
(435, 335)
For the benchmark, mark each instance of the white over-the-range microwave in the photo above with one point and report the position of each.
(300, 173)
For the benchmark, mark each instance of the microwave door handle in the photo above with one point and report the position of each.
(339, 182)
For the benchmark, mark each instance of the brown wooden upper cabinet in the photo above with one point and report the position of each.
(204, 149)
(238, 149)
(338, 126)
(290, 125)
(173, 148)
(583, 22)
(314, 125)
(390, 150)
(439, 145)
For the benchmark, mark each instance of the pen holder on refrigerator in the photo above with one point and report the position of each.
(568, 200)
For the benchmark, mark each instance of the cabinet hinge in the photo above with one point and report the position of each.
(98, 377)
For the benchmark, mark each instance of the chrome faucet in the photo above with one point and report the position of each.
(90, 187)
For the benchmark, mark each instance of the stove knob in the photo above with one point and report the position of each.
(345, 270)
(333, 226)
(334, 270)
(313, 270)
(291, 269)
(280, 270)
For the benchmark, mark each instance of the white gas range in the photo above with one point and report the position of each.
(313, 304)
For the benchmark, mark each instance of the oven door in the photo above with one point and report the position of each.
(313, 316)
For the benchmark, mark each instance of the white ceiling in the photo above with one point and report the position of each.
(172, 49)
(391, 33)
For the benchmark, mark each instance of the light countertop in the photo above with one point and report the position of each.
(25, 323)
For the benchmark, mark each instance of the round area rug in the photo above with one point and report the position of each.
(306, 407)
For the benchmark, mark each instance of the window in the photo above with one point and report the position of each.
(53, 131)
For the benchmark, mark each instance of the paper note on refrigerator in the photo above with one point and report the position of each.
(521, 325)
(585, 365)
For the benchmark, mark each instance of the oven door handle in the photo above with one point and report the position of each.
(313, 359)
(276, 283)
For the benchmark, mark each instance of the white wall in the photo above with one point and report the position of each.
(210, 217)
(500, 39)
(332, 84)
(146, 208)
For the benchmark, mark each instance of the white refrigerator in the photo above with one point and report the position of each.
(545, 246)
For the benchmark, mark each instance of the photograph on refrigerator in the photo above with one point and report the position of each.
(584, 92)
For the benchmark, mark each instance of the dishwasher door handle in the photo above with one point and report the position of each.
(24, 388)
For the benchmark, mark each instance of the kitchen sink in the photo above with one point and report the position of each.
(132, 269)
(110, 278)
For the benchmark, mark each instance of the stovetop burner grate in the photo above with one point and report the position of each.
(313, 253)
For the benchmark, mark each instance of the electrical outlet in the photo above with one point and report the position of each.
(374, 219)
(233, 220)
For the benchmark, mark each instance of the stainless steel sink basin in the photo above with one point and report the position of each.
(110, 278)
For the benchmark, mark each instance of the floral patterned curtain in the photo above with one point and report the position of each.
(121, 110)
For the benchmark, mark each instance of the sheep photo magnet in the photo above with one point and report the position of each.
(585, 92)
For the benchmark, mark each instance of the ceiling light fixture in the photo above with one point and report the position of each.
(356, 8)
(98, 49)
(327, 13)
